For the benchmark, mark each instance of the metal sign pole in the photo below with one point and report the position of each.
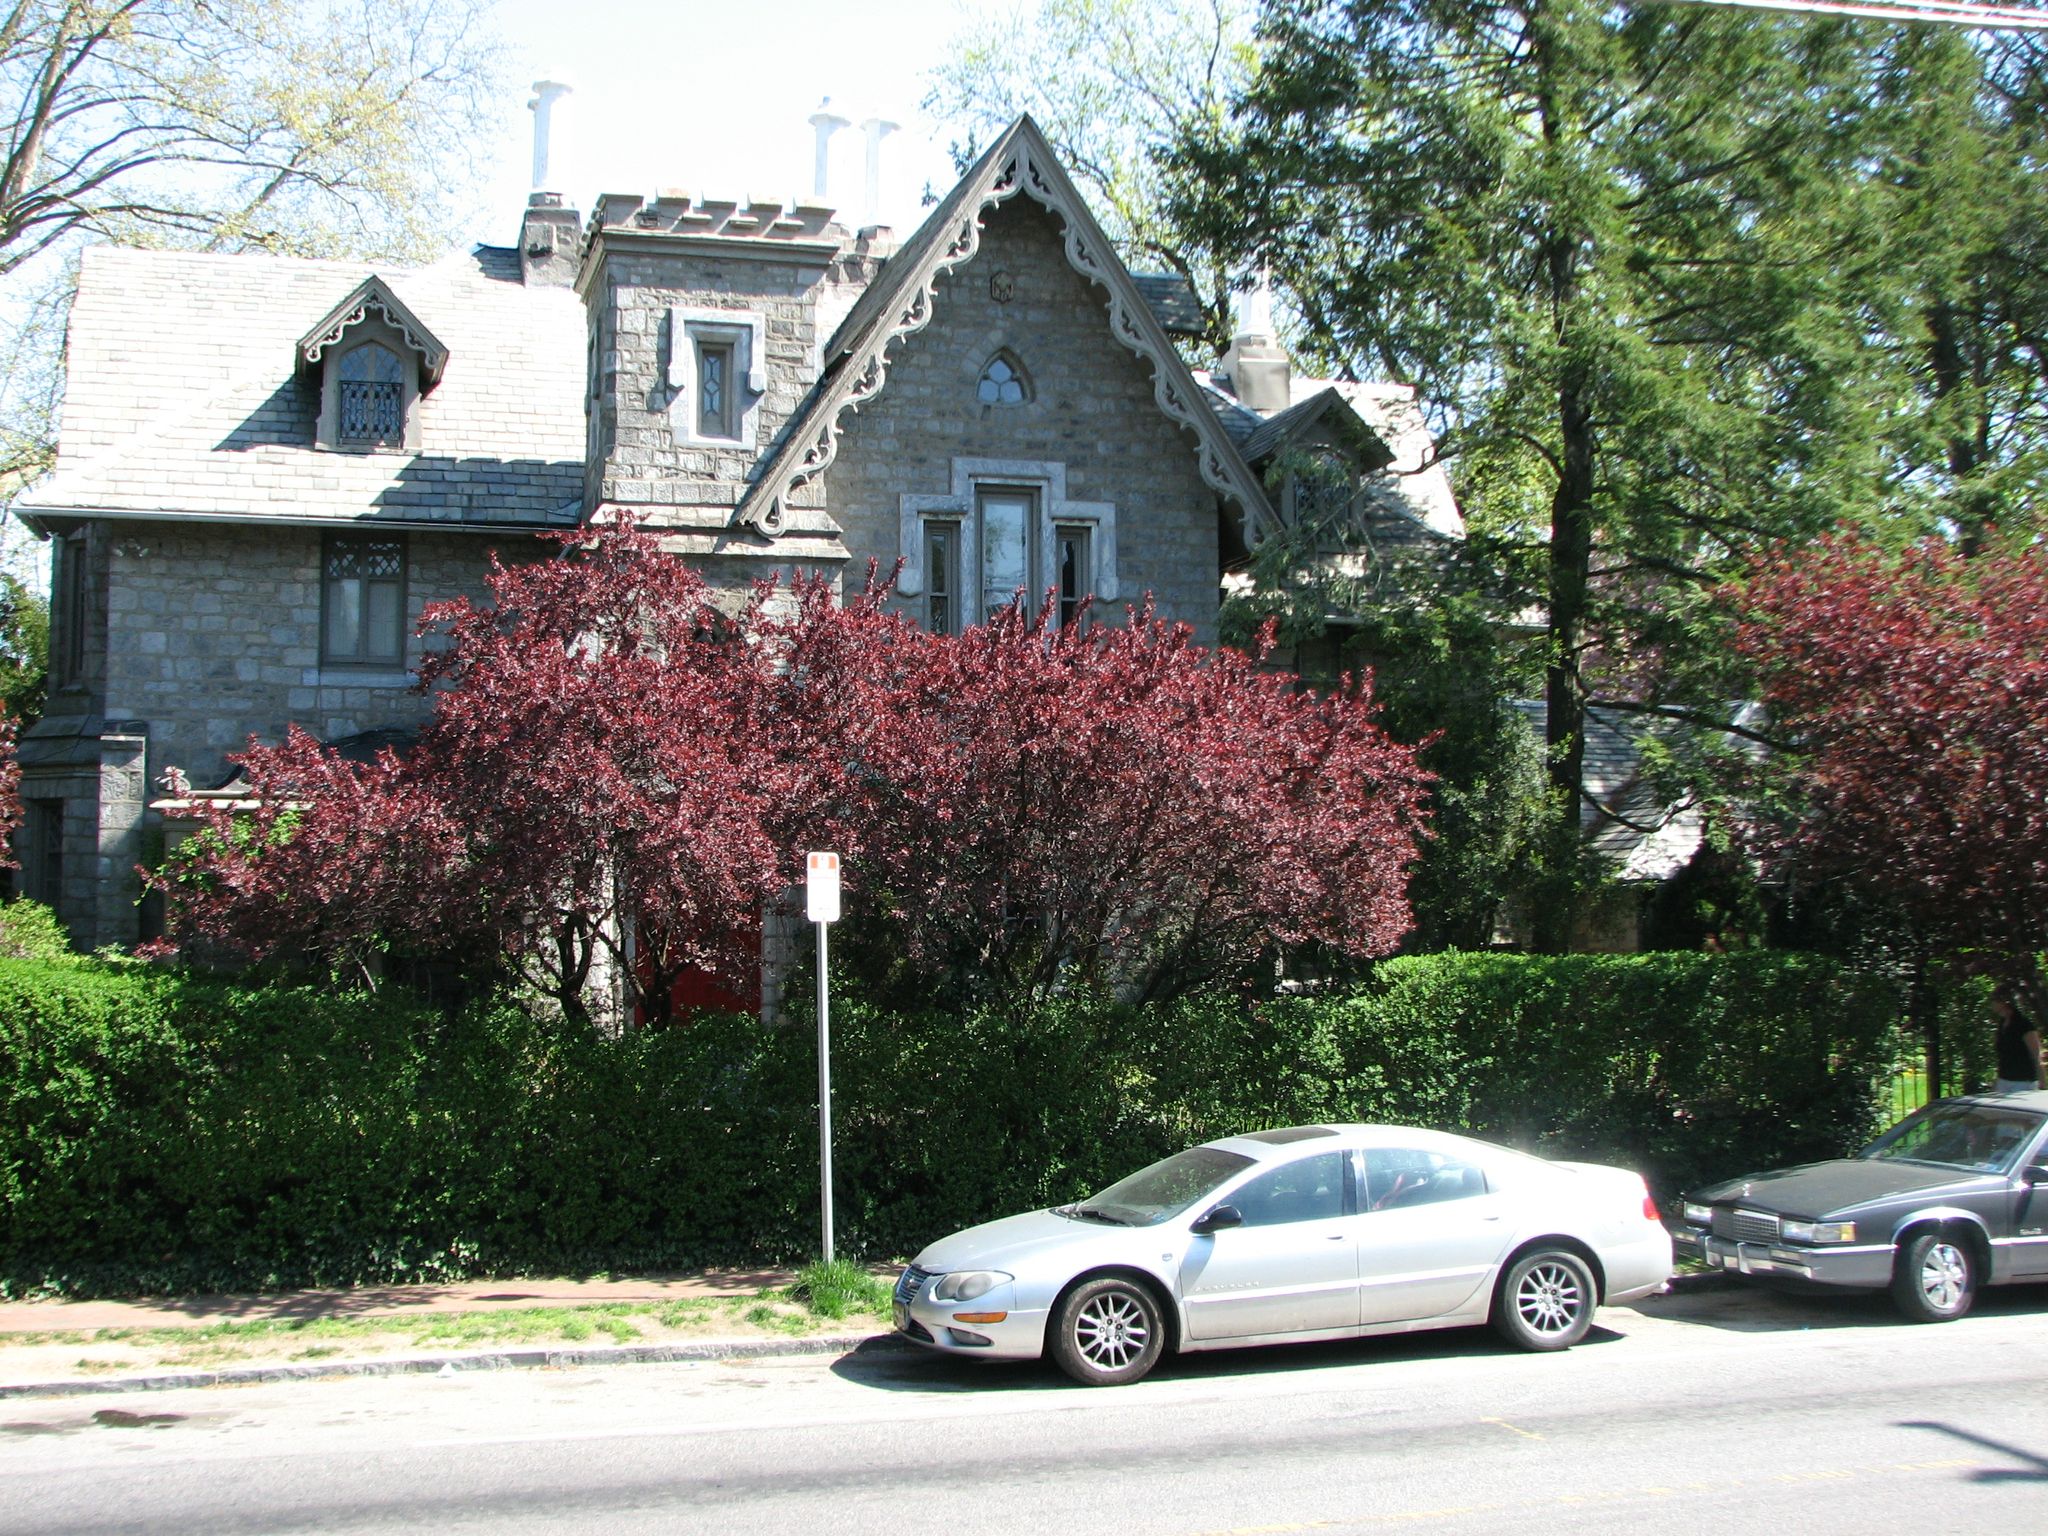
(821, 906)
(824, 1098)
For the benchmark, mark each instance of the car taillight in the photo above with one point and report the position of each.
(1650, 1212)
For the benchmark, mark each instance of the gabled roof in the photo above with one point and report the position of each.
(374, 293)
(899, 303)
(1329, 409)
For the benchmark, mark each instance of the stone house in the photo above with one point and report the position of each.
(268, 466)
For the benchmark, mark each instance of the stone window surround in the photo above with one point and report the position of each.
(746, 332)
(371, 328)
(1045, 476)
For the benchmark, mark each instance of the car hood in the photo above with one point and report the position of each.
(1819, 1189)
(1009, 1243)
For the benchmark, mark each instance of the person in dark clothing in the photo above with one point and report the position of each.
(2019, 1048)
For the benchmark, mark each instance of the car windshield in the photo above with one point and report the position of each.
(1983, 1138)
(1152, 1194)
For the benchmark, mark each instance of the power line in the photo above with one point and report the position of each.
(1955, 13)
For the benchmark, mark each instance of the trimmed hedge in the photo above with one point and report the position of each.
(165, 1132)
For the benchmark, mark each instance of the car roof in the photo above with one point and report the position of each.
(2034, 1099)
(1285, 1142)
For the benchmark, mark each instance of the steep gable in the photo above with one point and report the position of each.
(900, 303)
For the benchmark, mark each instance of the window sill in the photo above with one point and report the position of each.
(332, 675)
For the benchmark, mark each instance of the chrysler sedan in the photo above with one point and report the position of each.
(1312, 1232)
(1948, 1200)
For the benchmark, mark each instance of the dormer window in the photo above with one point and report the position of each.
(370, 398)
(373, 361)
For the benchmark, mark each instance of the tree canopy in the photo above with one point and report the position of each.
(335, 128)
(1665, 273)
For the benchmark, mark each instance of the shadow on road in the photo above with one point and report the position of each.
(1738, 1308)
(891, 1368)
(2035, 1470)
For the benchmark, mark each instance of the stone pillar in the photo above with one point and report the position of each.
(123, 801)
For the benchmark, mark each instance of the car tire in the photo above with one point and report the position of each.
(1107, 1332)
(1545, 1300)
(1934, 1278)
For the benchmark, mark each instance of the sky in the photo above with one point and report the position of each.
(715, 98)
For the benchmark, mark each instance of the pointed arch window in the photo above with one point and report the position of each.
(371, 397)
(1003, 381)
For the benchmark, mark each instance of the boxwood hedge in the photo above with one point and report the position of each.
(168, 1132)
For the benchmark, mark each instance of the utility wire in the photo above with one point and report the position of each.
(1955, 13)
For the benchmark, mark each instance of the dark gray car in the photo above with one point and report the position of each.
(1953, 1197)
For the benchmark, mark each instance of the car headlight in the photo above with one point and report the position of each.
(1698, 1215)
(1818, 1231)
(967, 1284)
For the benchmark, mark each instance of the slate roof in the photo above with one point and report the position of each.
(1641, 835)
(182, 399)
(1172, 302)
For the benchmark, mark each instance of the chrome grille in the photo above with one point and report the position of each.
(910, 1283)
(1755, 1227)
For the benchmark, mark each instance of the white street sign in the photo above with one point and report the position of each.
(821, 888)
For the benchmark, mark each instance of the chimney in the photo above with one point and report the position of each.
(548, 235)
(1256, 364)
(825, 122)
(877, 129)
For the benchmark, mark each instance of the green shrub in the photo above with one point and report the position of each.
(30, 931)
(169, 1132)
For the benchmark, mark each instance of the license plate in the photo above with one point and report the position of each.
(901, 1314)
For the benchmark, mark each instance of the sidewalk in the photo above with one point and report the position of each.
(377, 1301)
(126, 1349)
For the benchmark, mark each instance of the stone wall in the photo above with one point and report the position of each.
(214, 634)
(655, 459)
(1091, 409)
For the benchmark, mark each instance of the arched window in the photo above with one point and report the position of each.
(371, 396)
(1003, 382)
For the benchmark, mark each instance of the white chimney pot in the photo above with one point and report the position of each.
(550, 135)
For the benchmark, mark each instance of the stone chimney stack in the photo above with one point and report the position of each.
(1256, 364)
(825, 122)
(548, 235)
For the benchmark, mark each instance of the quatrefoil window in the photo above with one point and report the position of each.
(1003, 382)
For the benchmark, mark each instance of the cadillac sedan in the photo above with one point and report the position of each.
(1312, 1232)
(1948, 1200)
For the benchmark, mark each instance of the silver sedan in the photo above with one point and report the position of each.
(1311, 1232)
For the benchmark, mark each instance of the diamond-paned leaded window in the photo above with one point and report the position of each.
(714, 389)
(362, 601)
(371, 397)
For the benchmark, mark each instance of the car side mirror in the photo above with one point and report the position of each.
(2036, 1173)
(1217, 1218)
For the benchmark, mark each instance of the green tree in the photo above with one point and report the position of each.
(1630, 252)
(1112, 83)
(306, 127)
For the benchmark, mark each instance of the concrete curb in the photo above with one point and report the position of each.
(449, 1365)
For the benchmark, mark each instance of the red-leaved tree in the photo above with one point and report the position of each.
(1029, 804)
(616, 770)
(1913, 690)
(10, 789)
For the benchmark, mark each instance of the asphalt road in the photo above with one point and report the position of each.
(1726, 1410)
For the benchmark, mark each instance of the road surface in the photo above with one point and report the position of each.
(1718, 1410)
